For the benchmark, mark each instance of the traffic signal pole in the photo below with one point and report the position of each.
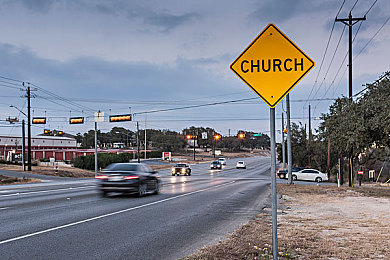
(96, 154)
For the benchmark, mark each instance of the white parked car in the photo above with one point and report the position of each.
(309, 175)
(241, 165)
(222, 161)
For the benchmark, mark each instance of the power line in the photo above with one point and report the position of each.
(372, 38)
(326, 50)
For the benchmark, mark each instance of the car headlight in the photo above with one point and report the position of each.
(173, 169)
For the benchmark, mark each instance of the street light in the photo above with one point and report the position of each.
(23, 142)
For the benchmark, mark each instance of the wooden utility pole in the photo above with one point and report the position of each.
(328, 167)
(350, 22)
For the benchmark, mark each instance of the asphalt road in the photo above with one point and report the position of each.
(67, 219)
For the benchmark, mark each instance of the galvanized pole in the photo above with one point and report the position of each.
(289, 152)
(145, 137)
(273, 186)
(138, 148)
(96, 154)
(283, 144)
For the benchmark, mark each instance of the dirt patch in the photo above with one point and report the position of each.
(5, 180)
(316, 222)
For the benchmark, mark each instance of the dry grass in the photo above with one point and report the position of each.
(317, 222)
(5, 180)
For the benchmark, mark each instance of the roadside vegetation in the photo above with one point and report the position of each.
(5, 180)
(358, 132)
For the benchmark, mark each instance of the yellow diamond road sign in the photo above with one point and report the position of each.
(272, 65)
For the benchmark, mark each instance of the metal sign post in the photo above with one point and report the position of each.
(272, 65)
(273, 186)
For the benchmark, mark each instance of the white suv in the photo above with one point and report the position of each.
(222, 161)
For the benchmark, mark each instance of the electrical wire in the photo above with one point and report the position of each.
(326, 50)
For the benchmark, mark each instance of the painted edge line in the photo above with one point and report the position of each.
(110, 214)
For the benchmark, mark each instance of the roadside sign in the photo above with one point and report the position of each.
(360, 172)
(204, 135)
(99, 116)
(272, 65)
(259, 134)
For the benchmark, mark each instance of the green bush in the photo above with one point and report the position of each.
(104, 159)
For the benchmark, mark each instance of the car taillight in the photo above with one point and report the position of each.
(130, 177)
(101, 177)
(183, 170)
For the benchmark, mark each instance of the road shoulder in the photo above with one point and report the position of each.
(315, 222)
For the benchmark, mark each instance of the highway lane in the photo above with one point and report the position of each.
(72, 220)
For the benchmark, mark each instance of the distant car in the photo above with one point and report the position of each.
(131, 178)
(309, 175)
(181, 168)
(216, 165)
(241, 165)
(222, 161)
(284, 173)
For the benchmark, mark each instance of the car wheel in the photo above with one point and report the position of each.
(173, 174)
(103, 193)
(141, 190)
(294, 177)
(245, 167)
(189, 174)
(318, 179)
(157, 188)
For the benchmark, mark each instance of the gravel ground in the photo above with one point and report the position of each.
(315, 222)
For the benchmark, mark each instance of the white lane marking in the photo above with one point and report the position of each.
(44, 191)
(4, 208)
(111, 214)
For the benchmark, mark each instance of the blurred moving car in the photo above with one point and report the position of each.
(309, 175)
(222, 161)
(241, 165)
(216, 165)
(284, 173)
(181, 168)
(132, 178)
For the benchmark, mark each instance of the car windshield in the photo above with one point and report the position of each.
(240, 162)
(122, 167)
(216, 162)
(180, 165)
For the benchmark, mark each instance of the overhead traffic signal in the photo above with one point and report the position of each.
(189, 137)
(47, 131)
(120, 118)
(76, 120)
(60, 133)
(39, 120)
(285, 130)
(217, 137)
(241, 135)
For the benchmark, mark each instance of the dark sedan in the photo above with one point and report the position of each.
(131, 178)
(216, 165)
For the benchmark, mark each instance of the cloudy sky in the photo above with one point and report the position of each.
(119, 56)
